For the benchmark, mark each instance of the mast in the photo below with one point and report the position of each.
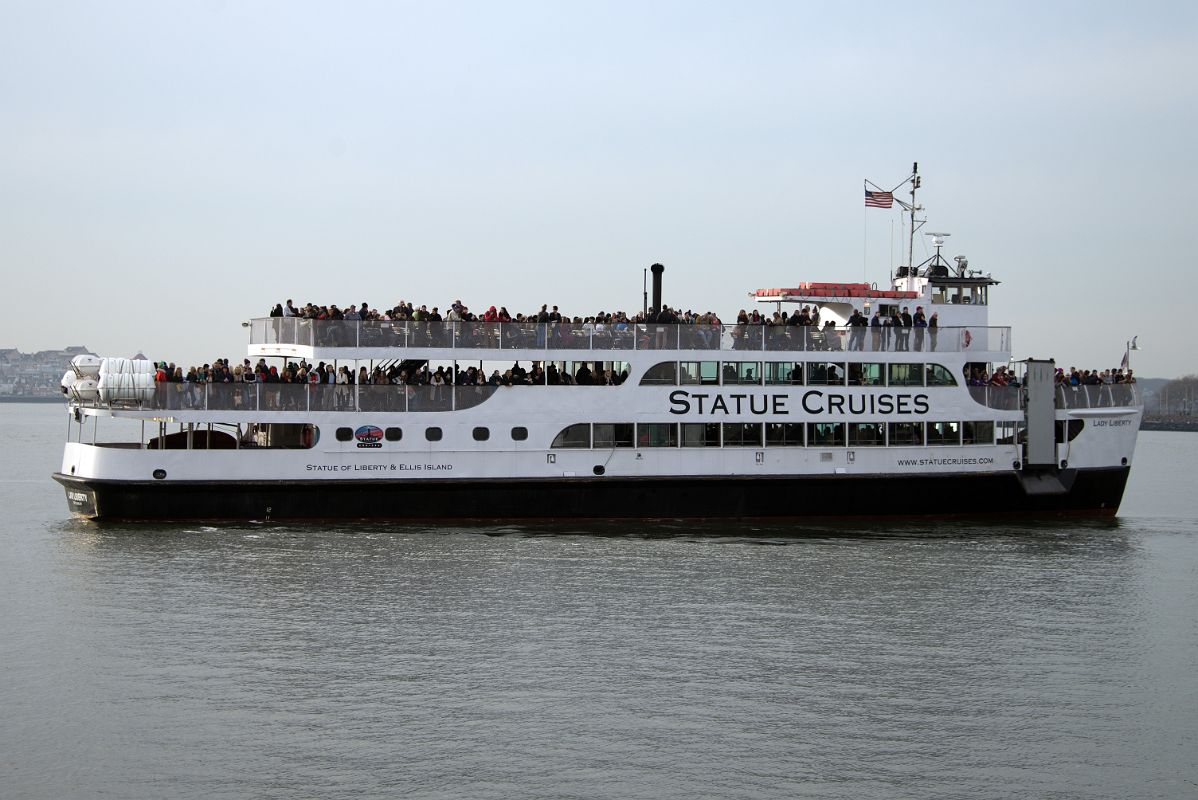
(911, 233)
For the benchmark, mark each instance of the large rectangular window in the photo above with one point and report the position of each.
(784, 434)
(825, 373)
(906, 374)
(825, 434)
(942, 434)
(904, 434)
(867, 375)
(657, 434)
(782, 372)
(613, 434)
(742, 373)
(700, 434)
(1012, 432)
(979, 432)
(866, 434)
(742, 434)
(706, 373)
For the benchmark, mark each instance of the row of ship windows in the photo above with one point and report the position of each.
(434, 434)
(810, 373)
(740, 434)
(779, 434)
(797, 434)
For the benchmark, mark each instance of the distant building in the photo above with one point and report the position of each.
(35, 374)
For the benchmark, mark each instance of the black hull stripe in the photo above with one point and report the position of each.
(1095, 492)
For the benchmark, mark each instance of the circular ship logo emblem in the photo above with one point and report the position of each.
(369, 436)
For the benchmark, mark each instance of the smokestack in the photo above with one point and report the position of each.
(657, 269)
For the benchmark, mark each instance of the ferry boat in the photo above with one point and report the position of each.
(641, 420)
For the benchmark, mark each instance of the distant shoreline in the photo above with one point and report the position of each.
(27, 398)
(1158, 423)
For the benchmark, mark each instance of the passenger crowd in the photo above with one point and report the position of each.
(1003, 376)
(900, 330)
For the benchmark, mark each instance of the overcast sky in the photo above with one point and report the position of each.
(171, 169)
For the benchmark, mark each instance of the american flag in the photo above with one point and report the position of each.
(878, 199)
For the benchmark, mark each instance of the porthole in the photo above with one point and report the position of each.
(393, 434)
(482, 434)
(159, 474)
(345, 434)
(599, 469)
(432, 434)
(519, 434)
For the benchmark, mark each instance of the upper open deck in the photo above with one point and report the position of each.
(329, 338)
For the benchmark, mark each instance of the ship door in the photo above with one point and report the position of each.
(1041, 414)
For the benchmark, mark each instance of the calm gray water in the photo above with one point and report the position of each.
(728, 661)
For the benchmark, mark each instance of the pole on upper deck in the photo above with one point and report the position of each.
(657, 269)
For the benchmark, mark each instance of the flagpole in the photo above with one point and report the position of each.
(1131, 345)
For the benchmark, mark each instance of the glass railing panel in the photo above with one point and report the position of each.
(652, 336)
(568, 336)
(229, 396)
(1002, 398)
(283, 397)
(381, 333)
(484, 335)
(429, 398)
(642, 336)
(384, 397)
(1118, 395)
(303, 331)
(471, 396)
(699, 337)
(335, 333)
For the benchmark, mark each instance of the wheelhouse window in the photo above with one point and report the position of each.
(784, 434)
(613, 434)
(704, 373)
(825, 434)
(742, 434)
(657, 434)
(663, 374)
(866, 434)
(940, 376)
(825, 373)
(700, 434)
(577, 435)
(978, 432)
(783, 372)
(906, 374)
(906, 433)
(742, 373)
(867, 375)
(942, 434)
